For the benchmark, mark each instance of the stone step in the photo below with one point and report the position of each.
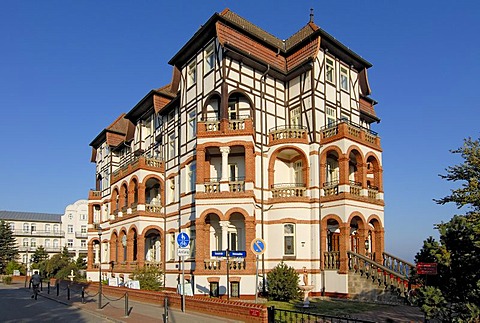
(364, 288)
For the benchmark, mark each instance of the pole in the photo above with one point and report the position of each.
(183, 284)
(99, 267)
(228, 276)
(126, 304)
(26, 269)
(256, 282)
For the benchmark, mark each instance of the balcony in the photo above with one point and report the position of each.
(288, 190)
(212, 185)
(39, 233)
(80, 235)
(225, 127)
(347, 129)
(153, 208)
(217, 265)
(136, 163)
(355, 188)
(288, 134)
(94, 195)
(330, 188)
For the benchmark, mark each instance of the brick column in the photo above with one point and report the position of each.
(141, 193)
(250, 234)
(344, 170)
(140, 250)
(90, 214)
(90, 255)
(344, 241)
(379, 244)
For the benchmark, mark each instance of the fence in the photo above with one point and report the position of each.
(288, 316)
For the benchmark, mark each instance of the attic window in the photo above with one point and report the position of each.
(191, 74)
(209, 58)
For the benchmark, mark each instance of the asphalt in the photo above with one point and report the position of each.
(113, 309)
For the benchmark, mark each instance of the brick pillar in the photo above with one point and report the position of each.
(200, 165)
(140, 250)
(90, 255)
(113, 248)
(141, 193)
(249, 163)
(362, 235)
(323, 244)
(90, 214)
(362, 174)
(250, 234)
(379, 178)
(131, 194)
(344, 170)
(379, 244)
(344, 246)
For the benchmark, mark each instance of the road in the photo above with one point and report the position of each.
(17, 306)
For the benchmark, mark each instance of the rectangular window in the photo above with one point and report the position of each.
(192, 74)
(209, 58)
(235, 289)
(70, 243)
(83, 229)
(83, 216)
(70, 228)
(33, 227)
(56, 228)
(233, 241)
(344, 78)
(296, 117)
(47, 228)
(214, 289)
(47, 243)
(331, 116)
(191, 177)
(289, 239)
(172, 246)
(33, 242)
(233, 172)
(192, 243)
(171, 190)
(83, 244)
(55, 243)
(25, 242)
(330, 70)
(192, 125)
(298, 172)
(12, 226)
(171, 145)
(26, 227)
(233, 108)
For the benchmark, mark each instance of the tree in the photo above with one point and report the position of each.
(150, 277)
(8, 247)
(454, 295)
(39, 255)
(282, 283)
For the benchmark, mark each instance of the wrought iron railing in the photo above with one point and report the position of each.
(287, 316)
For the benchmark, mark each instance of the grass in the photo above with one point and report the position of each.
(328, 306)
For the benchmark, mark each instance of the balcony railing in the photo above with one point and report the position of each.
(137, 162)
(212, 185)
(331, 259)
(94, 195)
(288, 190)
(39, 233)
(234, 264)
(355, 188)
(242, 124)
(350, 129)
(153, 208)
(283, 133)
(81, 235)
(330, 188)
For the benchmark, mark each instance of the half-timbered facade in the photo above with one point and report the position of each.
(255, 137)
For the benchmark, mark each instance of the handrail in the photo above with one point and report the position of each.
(398, 265)
(353, 124)
(376, 264)
(401, 260)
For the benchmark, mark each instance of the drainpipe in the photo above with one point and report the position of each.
(320, 243)
(262, 86)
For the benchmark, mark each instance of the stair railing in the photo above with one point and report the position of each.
(398, 265)
(378, 273)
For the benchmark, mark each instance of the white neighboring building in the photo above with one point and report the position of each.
(74, 224)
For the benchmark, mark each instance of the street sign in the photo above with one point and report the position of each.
(183, 240)
(427, 268)
(258, 246)
(219, 253)
(183, 252)
(239, 254)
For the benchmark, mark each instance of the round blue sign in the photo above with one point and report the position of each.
(258, 246)
(183, 240)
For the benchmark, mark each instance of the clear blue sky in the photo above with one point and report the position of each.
(69, 68)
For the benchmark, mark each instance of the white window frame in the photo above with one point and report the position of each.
(296, 116)
(70, 228)
(191, 73)
(331, 115)
(192, 234)
(192, 125)
(329, 69)
(33, 242)
(209, 58)
(171, 246)
(298, 172)
(344, 79)
(56, 243)
(33, 227)
(288, 236)
(70, 243)
(83, 229)
(171, 145)
(25, 242)
(47, 243)
(171, 190)
(83, 243)
(26, 227)
(191, 177)
(48, 227)
(233, 170)
(56, 228)
(83, 217)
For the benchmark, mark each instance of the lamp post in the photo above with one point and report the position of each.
(26, 268)
(99, 267)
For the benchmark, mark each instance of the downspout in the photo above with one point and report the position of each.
(262, 86)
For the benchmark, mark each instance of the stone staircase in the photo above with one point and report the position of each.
(383, 283)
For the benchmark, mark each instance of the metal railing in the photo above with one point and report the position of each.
(279, 315)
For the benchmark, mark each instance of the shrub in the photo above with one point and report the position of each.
(282, 283)
(13, 265)
(7, 280)
(150, 277)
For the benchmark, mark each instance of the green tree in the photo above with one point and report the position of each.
(8, 247)
(39, 255)
(454, 294)
(282, 283)
(13, 265)
(150, 277)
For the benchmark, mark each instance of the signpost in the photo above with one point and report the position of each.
(229, 253)
(258, 248)
(427, 268)
(183, 241)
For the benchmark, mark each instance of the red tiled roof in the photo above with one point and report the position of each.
(367, 107)
(303, 54)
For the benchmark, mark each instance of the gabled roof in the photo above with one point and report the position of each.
(30, 216)
(238, 33)
(118, 131)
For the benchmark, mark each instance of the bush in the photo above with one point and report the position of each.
(13, 265)
(7, 280)
(282, 283)
(150, 278)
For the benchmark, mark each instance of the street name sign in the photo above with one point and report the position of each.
(219, 253)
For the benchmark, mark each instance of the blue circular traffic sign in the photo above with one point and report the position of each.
(183, 240)
(258, 246)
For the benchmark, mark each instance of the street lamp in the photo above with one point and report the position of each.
(99, 267)
(26, 268)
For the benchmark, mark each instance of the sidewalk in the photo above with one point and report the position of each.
(113, 309)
